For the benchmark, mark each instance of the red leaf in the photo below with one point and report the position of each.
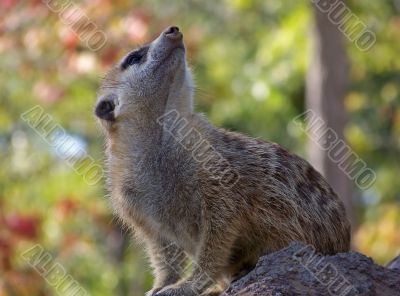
(24, 226)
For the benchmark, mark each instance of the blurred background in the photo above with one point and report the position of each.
(258, 64)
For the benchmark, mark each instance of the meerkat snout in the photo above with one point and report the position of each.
(168, 41)
(171, 30)
(173, 33)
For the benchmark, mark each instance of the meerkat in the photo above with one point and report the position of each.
(190, 189)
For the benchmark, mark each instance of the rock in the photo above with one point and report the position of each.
(299, 270)
(394, 264)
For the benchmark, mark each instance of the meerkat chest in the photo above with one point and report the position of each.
(156, 193)
(158, 215)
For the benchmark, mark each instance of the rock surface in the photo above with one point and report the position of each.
(299, 270)
(394, 264)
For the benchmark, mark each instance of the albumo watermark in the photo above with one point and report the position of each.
(347, 22)
(53, 272)
(337, 150)
(201, 149)
(64, 145)
(325, 272)
(76, 19)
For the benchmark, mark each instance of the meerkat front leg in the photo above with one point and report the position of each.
(168, 262)
(210, 264)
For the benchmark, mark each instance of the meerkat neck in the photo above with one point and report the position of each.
(140, 136)
(181, 103)
(181, 99)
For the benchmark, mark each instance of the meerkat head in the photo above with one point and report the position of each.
(153, 77)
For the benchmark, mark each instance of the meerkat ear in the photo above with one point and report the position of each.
(105, 108)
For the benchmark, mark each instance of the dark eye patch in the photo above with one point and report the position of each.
(134, 58)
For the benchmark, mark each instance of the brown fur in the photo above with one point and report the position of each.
(160, 188)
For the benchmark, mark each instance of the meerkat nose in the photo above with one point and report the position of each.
(171, 30)
(173, 33)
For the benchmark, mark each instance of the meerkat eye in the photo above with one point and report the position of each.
(134, 58)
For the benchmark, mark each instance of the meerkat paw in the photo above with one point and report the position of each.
(213, 292)
(152, 292)
(182, 290)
